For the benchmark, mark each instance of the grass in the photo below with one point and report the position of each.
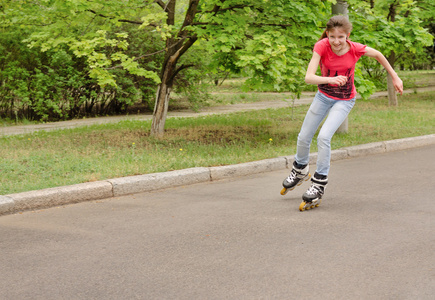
(416, 79)
(49, 159)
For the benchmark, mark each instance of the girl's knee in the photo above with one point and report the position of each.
(304, 140)
(323, 140)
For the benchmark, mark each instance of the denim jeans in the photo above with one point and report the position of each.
(321, 106)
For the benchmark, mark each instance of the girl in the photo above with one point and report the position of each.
(337, 56)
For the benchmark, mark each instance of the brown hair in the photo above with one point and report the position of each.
(337, 21)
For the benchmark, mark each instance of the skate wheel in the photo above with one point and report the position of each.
(302, 206)
(284, 191)
(308, 177)
(318, 203)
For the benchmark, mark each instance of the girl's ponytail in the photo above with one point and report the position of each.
(323, 35)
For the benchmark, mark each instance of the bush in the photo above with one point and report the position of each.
(55, 85)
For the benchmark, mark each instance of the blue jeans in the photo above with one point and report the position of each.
(321, 106)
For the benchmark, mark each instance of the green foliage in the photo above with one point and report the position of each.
(270, 42)
(101, 56)
(86, 34)
(402, 34)
(34, 83)
(54, 84)
(67, 79)
(364, 85)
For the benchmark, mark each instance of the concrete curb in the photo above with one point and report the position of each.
(149, 182)
(60, 196)
(18, 202)
(266, 165)
(6, 204)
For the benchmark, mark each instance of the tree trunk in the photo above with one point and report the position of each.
(176, 46)
(169, 71)
(392, 96)
(340, 8)
(163, 94)
(160, 110)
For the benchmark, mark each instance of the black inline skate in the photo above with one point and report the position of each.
(313, 196)
(296, 177)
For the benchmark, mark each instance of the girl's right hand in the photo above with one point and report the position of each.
(338, 80)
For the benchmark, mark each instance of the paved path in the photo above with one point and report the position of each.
(305, 99)
(372, 238)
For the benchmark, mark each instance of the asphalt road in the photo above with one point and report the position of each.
(372, 238)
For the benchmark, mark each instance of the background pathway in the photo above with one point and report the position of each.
(305, 99)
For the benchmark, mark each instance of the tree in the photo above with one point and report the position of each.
(269, 39)
(261, 35)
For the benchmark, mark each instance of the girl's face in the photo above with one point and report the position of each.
(337, 39)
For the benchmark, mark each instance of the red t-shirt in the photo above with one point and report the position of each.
(333, 65)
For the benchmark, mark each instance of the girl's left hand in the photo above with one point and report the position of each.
(398, 84)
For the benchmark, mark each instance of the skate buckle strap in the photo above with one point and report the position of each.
(291, 176)
(314, 189)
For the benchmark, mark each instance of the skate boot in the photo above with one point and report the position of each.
(313, 196)
(296, 177)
